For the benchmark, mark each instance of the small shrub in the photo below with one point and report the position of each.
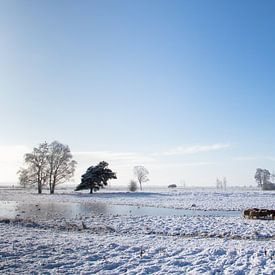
(133, 186)
(172, 186)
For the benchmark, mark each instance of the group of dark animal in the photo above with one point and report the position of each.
(257, 213)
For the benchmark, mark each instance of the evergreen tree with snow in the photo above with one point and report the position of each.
(96, 177)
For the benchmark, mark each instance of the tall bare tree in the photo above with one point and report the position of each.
(60, 166)
(47, 164)
(262, 176)
(142, 174)
(36, 171)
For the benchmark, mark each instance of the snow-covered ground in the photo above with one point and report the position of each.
(117, 244)
(31, 250)
(186, 199)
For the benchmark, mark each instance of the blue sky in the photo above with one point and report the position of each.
(184, 87)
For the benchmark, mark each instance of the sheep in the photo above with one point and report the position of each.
(260, 213)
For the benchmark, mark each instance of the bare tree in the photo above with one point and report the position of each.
(141, 173)
(265, 176)
(47, 164)
(36, 170)
(262, 176)
(61, 166)
(258, 176)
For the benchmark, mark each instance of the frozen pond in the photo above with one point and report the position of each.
(12, 209)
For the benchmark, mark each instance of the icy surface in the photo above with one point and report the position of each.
(117, 244)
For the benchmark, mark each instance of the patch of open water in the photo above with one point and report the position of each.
(12, 209)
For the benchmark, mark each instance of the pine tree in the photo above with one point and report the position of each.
(96, 177)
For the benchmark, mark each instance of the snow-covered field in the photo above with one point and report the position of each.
(117, 244)
(186, 199)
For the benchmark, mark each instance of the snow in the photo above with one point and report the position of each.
(202, 199)
(116, 244)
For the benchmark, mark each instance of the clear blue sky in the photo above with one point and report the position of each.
(163, 81)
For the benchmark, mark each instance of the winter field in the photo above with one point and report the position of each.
(35, 242)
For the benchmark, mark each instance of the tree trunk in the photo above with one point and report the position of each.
(39, 183)
(91, 191)
(140, 186)
(52, 186)
(39, 189)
